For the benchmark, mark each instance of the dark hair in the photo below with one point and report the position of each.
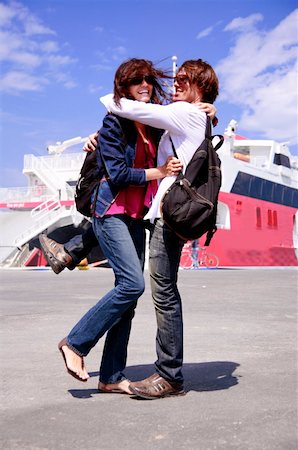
(134, 68)
(202, 75)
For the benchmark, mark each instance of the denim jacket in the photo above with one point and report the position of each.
(115, 154)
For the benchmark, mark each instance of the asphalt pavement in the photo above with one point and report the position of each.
(240, 365)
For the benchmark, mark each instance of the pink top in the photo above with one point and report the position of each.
(133, 200)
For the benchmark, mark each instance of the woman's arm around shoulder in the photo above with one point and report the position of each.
(112, 146)
(172, 117)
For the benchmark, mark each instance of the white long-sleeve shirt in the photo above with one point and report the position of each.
(183, 121)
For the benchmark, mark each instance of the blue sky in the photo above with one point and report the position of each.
(58, 56)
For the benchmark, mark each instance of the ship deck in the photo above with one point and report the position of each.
(240, 364)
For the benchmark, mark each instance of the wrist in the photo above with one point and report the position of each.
(163, 171)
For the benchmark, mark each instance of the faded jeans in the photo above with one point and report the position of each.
(122, 240)
(164, 258)
(81, 245)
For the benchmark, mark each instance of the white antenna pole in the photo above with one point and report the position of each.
(174, 60)
(174, 69)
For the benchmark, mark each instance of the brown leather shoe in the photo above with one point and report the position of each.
(155, 387)
(54, 253)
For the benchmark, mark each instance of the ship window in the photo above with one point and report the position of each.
(278, 193)
(272, 218)
(295, 198)
(269, 218)
(259, 217)
(243, 150)
(281, 160)
(238, 206)
(274, 221)
(288, 195)
(255, 187)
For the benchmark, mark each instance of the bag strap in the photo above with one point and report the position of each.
(208, 130)
(173, 147)
(207, 135)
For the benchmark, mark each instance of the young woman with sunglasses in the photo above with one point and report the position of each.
(126, 156)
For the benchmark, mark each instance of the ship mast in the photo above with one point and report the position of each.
(230, 132)
(174, 67)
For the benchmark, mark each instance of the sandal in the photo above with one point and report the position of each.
(71, 372)
(105, 389)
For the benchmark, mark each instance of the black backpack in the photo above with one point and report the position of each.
(87, 182)
(189, 206)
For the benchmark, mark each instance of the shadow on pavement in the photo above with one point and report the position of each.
(208, 376)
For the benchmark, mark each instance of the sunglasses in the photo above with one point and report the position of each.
(182, 79)
(139, 80)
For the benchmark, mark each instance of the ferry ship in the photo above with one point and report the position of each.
(257, 213)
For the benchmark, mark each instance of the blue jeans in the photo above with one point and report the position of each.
(81, 245)
(164, 258)
(122, 240)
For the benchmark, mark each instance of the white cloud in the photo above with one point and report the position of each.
(25, 47)
(6, 14)
(15, 12)
(244, 23)
(21, 81)
(64, 78)
(260, 76)
(205, 32)
(32, 27)
(49, 47)
(109, 57)
(208, 31)
(94, 89)
(59, 60)
(107, 66)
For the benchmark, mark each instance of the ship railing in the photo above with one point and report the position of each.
(25, 194)
(45, 208)
(18, 258)
(47, 175)
(71, 162)
(43, 216)
(43, 171)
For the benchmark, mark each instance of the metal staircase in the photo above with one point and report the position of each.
(50, 192)
(51, 210)
(43, 216)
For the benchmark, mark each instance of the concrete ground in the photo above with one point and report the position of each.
(240, 365)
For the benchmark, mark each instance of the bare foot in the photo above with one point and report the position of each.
(121, 386)
(75, 363)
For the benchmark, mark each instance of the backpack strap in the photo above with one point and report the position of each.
(208, 135)
(208, 130)
(209, 236)
(173, 148)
